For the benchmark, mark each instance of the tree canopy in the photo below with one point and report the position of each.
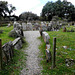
(59, 8)
(4, 9)
(28, 16)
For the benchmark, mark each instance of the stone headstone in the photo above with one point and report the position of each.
(9, 25)
(44, 27)
(29, 26)
(64, 29)
(46, 37)
(24, 26)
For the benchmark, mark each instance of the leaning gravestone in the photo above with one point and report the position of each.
(24, 26)
(18, 31)
(36, 26)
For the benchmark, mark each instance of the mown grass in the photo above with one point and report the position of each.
(18, 63)
(4, 36)
(63, 39)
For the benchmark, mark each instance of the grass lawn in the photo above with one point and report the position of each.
(4, 36)
(63, 39)
(18, 63)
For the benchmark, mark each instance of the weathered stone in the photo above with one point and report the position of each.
(36, 26)
(8, 50)
(17, 43)
(46, 37)
(43, 34)
(17, 26)
(47, 46)
(44, 27)
(17, 31)
(9, 25)
(24, 26)
(40, 30)
(69, 62)
(13, 33)
(49, 28)
(29, 26)
(64, 29)
(48, 55)
(65, 47)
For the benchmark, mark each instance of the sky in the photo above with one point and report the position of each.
(34, 6)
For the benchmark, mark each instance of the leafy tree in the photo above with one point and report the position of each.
(28, 16)
(4, 9)
(11, 9)
(59, 8)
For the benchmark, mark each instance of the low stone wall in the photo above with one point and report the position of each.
(17, 43)
(8, 49)
(46, 38)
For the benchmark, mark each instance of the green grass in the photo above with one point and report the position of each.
(17, 64)
(4, 36)
(63, 39)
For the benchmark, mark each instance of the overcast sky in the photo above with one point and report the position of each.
(34, 6)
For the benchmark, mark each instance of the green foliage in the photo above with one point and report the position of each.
(4, 9)
(59, 8)
(12, 8)
(28, 16)
(63, 39)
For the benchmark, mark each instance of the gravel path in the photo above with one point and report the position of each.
(32, 63)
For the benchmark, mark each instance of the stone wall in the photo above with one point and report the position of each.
(30, 26)
(46, 38)
(8, 49)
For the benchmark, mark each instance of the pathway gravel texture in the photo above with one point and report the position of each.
(33, 61)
